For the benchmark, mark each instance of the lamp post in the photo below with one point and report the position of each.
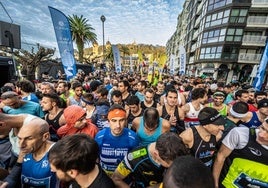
(102, 18)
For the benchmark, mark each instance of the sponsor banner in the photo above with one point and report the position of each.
(64, 40)
(258, 81)
(182, 60)
(117, 62)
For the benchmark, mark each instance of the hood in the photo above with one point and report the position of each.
(73, 113)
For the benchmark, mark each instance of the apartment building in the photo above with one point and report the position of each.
(223, 39)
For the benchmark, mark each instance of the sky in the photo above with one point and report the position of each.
(143, 21)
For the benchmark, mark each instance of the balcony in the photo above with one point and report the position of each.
(257, 21)
(249, 58)
(259, 3)
(195, 35)
(191, 60)
(197, 22)
(199, 8)
(193, 48)
(254, 40)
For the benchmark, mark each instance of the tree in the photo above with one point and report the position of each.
(30, 61)
(82, 33)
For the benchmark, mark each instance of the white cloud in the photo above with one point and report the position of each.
(145, 21)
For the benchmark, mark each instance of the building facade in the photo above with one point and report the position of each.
(224, 39)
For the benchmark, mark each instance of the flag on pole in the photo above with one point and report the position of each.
(117, 62)
(258, 81)
(150, 72)
(64, 40)
(131, 64)
(162, 62)
(182, 60)
(172, 65)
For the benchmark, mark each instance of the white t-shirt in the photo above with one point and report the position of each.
(238, 138)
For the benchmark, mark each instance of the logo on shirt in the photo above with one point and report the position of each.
(255, 151)
(45, 164)
(149, 173)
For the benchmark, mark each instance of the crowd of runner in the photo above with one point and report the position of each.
(119, 130)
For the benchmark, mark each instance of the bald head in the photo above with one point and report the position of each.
(37, 124)
(33, 135)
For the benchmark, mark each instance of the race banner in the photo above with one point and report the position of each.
(182, 60)
(64, 40)
(172, 65)
(117, 62)
(150, 72)
(258, 81)
(131, 64)
(161, 64)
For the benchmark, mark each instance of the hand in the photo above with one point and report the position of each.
(173, 120)
(2, 105)
(3, 184)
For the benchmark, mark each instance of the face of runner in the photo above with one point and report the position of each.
(172, 99)
(117, 125)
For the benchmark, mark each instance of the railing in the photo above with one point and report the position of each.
(257, 40)
(197, 22)
(199, 8)
(191, 60)
(249, 57)
(195, 34)
(257, 20)
(193, 48)
(259, 2)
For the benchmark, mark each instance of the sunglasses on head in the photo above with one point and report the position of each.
(8, 96)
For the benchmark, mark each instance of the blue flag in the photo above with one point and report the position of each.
(182, 60)
(64, 40)
(258, 81)
(117, 62)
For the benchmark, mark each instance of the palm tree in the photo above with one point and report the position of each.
(82, 33)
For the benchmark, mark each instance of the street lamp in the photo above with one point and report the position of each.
(102, 18)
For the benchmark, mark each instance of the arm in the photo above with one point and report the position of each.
(187, 137)
(127, 110)
(181, 113)
(159, 109)
(68, 102)
(118, 180)
(62, 120)
(223, 153)
(165, 126)
(185, 109)
(135, 124)
(183, 100)
(161, 101)
(14, 176)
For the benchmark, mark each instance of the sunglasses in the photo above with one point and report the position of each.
(8, 96)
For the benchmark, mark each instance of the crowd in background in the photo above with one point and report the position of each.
(120, 130)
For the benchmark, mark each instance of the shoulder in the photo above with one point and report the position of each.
(137, 154)
(187, 136)
(237, 138)
(165, 122)
(136, 120)
(100, 134)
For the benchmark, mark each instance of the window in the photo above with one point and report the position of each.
(217, 18)
(238, 15)
(217, 35)
(211, 52)
(234, 35)
(214, 4)
(230, 52)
